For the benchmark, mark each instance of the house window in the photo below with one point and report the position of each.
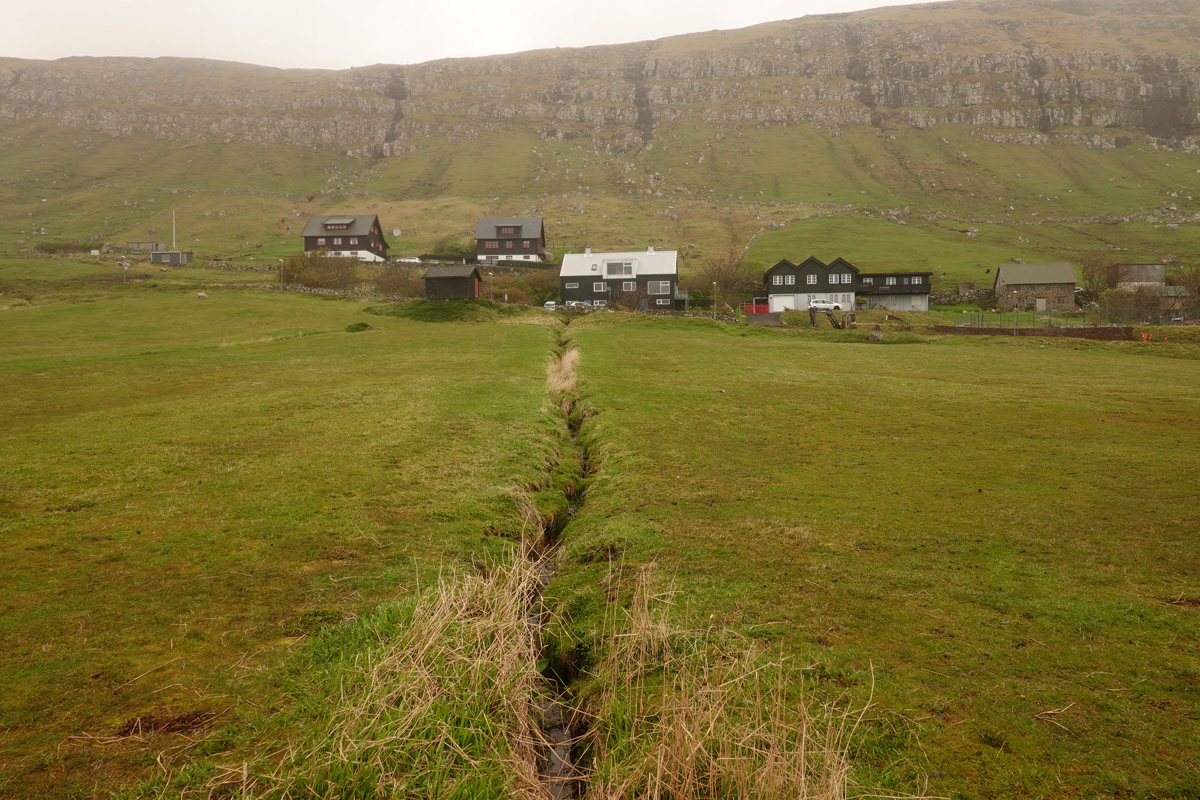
(598, 286)
(506, 231)
(508, 245)
(890, 281)
(628, 286)
(916, 280)
(491, 245)
(612, 268)
(904, 281)
(868, 281)
(662, 302)
(777, 280)
(790, 280)
(835, 278)
(811, 280)
(599, 303)
(320, 241)
(525, 244)
(659, 287)
(846, 277)
(571, 286)
(353, 240)
(337, 241)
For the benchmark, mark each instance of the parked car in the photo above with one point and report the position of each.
(410, 260)
(549, 305)
(578, 305)
(824, 305)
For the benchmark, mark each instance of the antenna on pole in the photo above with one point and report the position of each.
(173, 247)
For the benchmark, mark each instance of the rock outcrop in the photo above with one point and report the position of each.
(1026, 66)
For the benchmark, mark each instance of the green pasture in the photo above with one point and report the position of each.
(992, 541)
(989, 541)
(190, 486)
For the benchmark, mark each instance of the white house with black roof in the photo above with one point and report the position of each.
(346, 236)
(644, 280)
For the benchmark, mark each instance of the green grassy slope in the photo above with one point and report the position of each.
(959, 202)
(189, 485)
(997, 539)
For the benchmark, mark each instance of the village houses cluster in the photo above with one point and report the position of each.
(648, 280)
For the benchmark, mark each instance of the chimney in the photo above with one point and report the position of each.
(650, 249)
(587, 251)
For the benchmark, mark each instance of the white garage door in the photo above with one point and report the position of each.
(785, 302)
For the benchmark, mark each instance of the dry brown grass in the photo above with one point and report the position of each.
(560, 377)
(690, 715)
(446, 703)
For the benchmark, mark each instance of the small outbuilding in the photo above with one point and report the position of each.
(178, 258)
(452, 282)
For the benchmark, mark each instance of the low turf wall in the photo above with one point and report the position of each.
(1107, 334)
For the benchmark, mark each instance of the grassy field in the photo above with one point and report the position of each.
(209, 505)
(998, 538)
(190, 486)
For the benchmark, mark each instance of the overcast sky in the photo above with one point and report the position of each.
(327, 34)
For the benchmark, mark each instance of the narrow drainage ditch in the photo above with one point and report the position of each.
(561, 727)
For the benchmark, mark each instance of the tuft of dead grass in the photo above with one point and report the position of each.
(693, 715)
(447, 702)
(560, 377)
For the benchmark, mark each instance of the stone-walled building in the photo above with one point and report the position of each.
(1040, 287)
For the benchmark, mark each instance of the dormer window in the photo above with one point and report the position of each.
(868, 281)
(506, 230)
(618, 268)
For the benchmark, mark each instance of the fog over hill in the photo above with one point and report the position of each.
(1010, 65)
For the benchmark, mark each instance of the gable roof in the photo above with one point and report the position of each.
(1052, 272)
(357, 224)
(645, 262)
(527, 227)
(838, 263)
(450, 271)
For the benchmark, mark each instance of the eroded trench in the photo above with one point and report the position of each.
(561, 727)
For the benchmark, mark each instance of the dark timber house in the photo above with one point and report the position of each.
(793, 286)
(452, 282)
(510, 239)
(347, 235)
(899, 291)
(643, 281)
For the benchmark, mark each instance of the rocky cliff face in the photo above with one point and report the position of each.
(1036, 65)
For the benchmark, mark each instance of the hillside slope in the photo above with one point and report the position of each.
(947, 117)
